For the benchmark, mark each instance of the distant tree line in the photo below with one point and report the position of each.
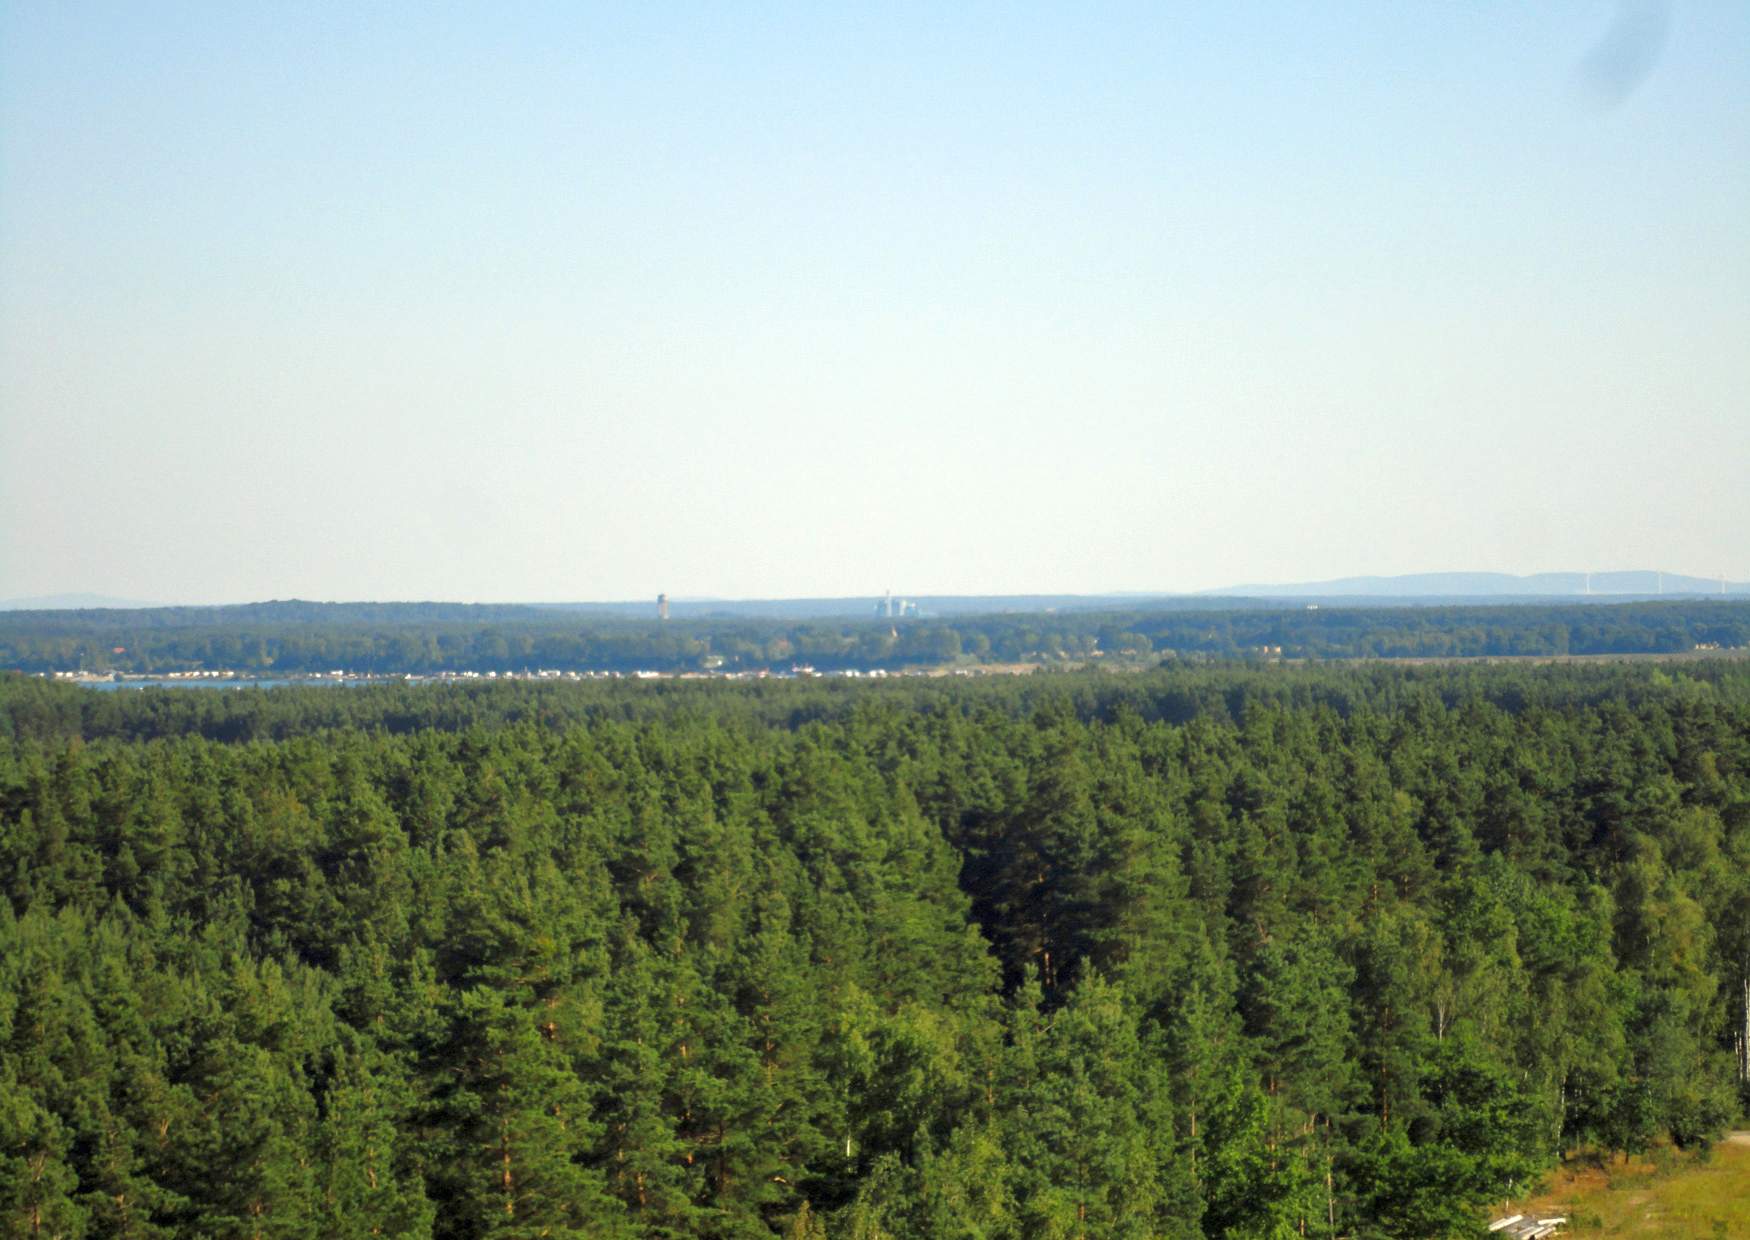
(1226, 952)
(303, 638)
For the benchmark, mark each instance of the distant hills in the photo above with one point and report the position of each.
(1646, 583)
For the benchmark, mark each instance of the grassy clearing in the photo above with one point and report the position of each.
(1670, 1194)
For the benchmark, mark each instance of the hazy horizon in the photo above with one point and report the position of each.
(1606, 584)
(561, 305)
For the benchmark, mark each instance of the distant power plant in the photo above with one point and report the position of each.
(662, 607)
(890, 607)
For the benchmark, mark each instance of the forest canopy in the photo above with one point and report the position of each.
(1200, 951)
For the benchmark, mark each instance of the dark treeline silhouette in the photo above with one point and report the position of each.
(1201, 951)
(390, 638)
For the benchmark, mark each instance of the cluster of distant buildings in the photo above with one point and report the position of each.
(797, 671)
(84, 676)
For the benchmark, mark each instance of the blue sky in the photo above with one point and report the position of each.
(566, 302)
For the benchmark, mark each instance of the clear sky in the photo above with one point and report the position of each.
(542, 302)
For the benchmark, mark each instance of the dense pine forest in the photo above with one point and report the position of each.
(1201, 951)
(297, 638)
